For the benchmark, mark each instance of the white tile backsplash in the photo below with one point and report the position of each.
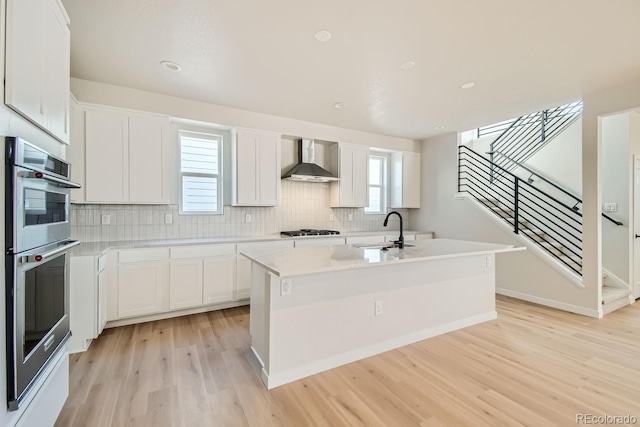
(303, 205)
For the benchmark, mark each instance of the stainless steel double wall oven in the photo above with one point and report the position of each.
(37, 243)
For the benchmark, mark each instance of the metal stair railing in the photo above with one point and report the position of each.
(550, 223)
(575, 200)
(526, 135)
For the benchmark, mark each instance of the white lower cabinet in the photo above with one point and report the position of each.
(140, 288)
(243, 265)
(102, 299)
(243, 276)
(87, 300)
(185, 283)
(219, 279)
(319, 241)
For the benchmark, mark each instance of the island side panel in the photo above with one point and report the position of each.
(329, 318)
(259, 321)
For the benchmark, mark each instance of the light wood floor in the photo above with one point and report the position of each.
(534, 366)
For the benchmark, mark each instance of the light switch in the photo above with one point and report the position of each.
(611, 207)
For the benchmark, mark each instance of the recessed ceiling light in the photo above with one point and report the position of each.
(408, 65)
(340, 105)
(439, 127)
(172, 66)
(468, 85)
(323, 36)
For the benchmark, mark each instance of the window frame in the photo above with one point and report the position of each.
(204, 136)
(384, 180)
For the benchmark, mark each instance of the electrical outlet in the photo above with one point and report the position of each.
(105, 219)
(489, 261)
(168, 219)
(330, 217)
(610, 207)
(350, 217)
(378, 308)
(285, 287)
(247, 218)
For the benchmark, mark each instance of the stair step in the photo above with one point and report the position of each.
(611, 294)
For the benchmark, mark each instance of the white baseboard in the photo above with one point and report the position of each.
(551, 303)
(289, 375)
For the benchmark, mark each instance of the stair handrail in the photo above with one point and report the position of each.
(554, 185)
(474, 168)
(515, 177)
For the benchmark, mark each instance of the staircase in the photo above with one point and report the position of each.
(549, 220)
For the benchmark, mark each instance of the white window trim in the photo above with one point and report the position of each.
(220, 175)
(385, 184)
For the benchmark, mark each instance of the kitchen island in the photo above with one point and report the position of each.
(314, 309)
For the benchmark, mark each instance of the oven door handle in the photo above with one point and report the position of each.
(41, 257)
(61, 182)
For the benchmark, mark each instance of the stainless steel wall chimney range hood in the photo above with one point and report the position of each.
(306, 169)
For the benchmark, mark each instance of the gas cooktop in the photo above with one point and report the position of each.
(309, 232)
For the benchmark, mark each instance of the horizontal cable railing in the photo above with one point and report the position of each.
(554, 225)
(530, 133)
(574, 200)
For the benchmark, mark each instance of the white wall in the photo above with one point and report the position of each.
(521, 272)
(116, 96)
(616, 184)
(561, 160)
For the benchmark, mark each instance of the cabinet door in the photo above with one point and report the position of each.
(140, 288)
(57, 45)
(246, 168)
(146, 160)
(107, 169)
(24, 58)
(102, 301)
(185, 283)
(243, 277)
(269, 170)
(345, 165)
(219, 278)
(361, 177)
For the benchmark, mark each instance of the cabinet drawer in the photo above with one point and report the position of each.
(142, 255)
(365, 239)
(319, 241)
(202, 251)
(282, 245)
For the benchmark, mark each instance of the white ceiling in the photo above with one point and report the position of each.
(262, 56)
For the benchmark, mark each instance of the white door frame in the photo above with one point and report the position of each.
(634, 229)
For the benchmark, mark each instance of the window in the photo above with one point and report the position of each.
(201, 173)
(377, 185)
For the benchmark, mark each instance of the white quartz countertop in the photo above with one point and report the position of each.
(98, 248)
(321, 259)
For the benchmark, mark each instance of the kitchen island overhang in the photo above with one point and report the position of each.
(314, 309)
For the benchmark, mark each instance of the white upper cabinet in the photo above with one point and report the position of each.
(76, 150)
(352, 164)
(126, 157)
(405, 180)
(37, 64)
(255, 168)
(107, 163)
